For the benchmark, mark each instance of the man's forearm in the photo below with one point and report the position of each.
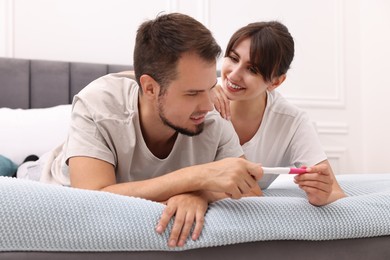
(157, 189)
(212, 196)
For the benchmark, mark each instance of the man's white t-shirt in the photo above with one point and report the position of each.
(105, 125)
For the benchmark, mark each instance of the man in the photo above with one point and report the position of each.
(154, 137)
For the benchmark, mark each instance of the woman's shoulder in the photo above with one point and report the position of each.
(279, 105)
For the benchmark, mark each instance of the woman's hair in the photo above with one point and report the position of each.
(272, 47)
(161, 42)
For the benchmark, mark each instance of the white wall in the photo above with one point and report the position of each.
(338, 74)
(6, 23)
(375, 80)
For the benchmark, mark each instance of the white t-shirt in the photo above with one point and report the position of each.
(105, 125)
(286, 137)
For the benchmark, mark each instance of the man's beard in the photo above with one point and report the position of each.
(181, 130)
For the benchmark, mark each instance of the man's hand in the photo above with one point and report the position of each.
(187, 209)
(319, 184)
(233, 176)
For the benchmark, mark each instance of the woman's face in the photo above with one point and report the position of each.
(240, 78)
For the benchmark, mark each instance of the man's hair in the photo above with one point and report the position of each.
(272, 47)
(161, 42)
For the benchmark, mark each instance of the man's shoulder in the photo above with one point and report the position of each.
(221, 132)
(213, 118)
(217, 125)
(112, 94)
(114, 82)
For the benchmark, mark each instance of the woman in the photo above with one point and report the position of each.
(272, 131)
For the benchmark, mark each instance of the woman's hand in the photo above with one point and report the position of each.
(221, 102)
(320, 184)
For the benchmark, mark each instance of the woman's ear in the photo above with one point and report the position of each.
(276, 82)
(149, 86)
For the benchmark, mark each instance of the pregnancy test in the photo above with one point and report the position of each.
(283, 170)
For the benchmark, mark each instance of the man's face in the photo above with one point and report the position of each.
(187, 99)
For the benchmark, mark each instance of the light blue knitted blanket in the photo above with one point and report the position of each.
(42, 217)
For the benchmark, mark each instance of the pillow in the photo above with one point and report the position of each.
(32, 131)
(7, 167)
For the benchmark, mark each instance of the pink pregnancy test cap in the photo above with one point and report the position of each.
(298, 170)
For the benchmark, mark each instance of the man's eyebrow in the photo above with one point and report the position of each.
(202, 90)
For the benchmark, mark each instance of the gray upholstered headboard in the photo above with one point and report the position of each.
(42, 83)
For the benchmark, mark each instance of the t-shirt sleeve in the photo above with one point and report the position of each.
(305, 146)
(229, 145)
(85, 138)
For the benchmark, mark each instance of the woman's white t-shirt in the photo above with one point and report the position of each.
(286, 137)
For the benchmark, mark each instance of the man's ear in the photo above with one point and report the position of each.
(276, 82)
(149, 86)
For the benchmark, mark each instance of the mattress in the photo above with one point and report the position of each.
(46, 220)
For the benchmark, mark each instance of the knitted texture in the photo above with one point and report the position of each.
(42, 217)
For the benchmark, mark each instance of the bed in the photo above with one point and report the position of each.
(41, 221)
